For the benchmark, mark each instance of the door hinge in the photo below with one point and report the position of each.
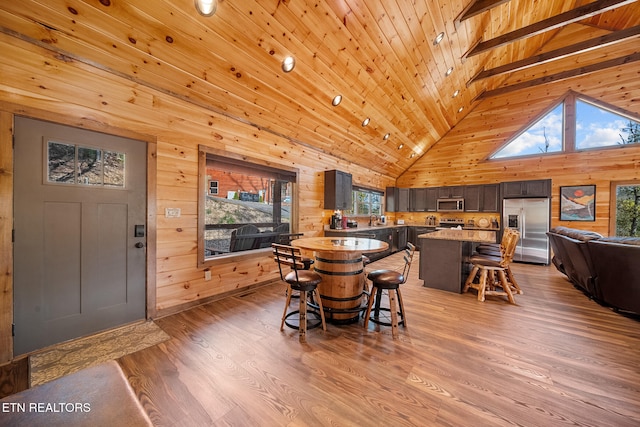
(13, 235)
(13, 329)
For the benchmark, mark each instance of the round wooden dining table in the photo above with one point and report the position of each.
(339, 261)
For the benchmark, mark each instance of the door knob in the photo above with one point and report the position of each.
(139, 245)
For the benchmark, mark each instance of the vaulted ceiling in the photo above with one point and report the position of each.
(379, 55)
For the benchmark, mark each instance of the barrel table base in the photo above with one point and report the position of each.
(341, 288)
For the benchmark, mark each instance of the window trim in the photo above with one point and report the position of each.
(203, 189)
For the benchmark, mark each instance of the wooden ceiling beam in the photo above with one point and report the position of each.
(563, 52)
(563, 75)
(548, 24)
(476, 7)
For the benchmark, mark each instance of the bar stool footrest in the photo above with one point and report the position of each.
(377, 320)
(313, 319)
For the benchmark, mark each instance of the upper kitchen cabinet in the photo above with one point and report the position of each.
(338, 190)
(418, 199)
(481, 198)
(490, 198)
(455, 192)
(432, 198)
(396, 199)
(535, 188)
(473, 198)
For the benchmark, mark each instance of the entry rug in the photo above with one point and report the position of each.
(75, 355)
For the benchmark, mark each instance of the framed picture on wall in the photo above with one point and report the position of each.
(578, 203)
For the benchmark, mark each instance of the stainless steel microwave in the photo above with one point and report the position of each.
(450, 205)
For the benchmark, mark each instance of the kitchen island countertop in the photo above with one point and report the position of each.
(475, 236)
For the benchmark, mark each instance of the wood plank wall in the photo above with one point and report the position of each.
(37, 83)
(41, 84)
(461, 157)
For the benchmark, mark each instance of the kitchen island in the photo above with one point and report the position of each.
(444, 256)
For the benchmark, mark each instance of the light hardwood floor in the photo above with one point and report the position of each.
(555, 358)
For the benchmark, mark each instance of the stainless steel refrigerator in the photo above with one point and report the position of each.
(531, 218)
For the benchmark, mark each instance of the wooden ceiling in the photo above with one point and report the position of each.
(379, 55)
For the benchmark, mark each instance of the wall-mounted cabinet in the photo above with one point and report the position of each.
(473, 198)
(397, 199)
(535, 188)
(477, 198)
(338, 190)
(418, 199)
(482, 198)
(455, 192)
(432, 197)
(490, 198)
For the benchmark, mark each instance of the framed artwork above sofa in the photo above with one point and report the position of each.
(578, 203)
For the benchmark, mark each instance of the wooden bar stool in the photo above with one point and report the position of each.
(497, 250)
(303, 281)
(492, 271)
(391, 281)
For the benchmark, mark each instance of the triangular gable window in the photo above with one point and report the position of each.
(544, 136)
(592, 125)
(599, 127)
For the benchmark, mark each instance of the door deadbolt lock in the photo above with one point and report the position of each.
(139, 245)
(138, 230)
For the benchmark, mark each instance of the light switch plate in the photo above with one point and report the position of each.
(172, 212)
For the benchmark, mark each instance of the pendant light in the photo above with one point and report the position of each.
(206, 7)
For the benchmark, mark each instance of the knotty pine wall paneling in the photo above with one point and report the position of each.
(37, 80)
(461, 157)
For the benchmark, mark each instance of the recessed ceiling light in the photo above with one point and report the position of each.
(400, 146)
(288, 63)
(449, 71)
(386, 136)
(206, 7)
(366, 121)
(412, 155)
(438, 39)
(460, 109)
(336, 100)
(456, 93)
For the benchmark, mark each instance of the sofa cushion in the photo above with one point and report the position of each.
(582, 235)
(635, 241)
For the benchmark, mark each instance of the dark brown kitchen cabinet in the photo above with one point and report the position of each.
(396, 199)
(535, 188)
(418, 199)
(403, 200)
(338, 190)
(399, 239)
(414, 231)
(490, 198)
(455, 192)
(482, 198)
(473, 198)
(432, 197)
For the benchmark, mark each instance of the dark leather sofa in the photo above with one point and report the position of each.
(605, 268)
(616, 263)
(571, 256)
